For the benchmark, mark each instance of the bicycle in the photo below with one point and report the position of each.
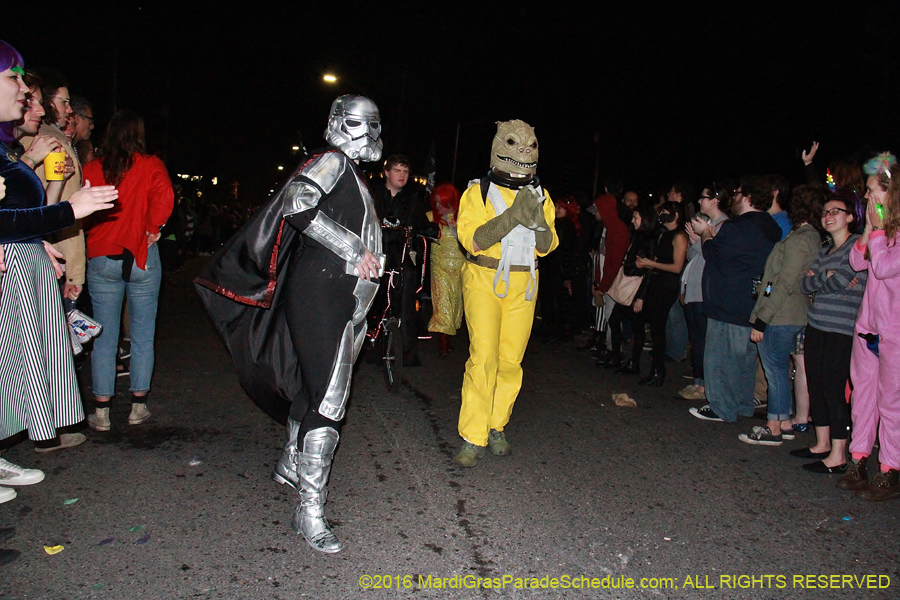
(387, 334)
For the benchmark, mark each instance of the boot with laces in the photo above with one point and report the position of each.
(498, 444)
(885, 486)
(469, 455)
(855, 477)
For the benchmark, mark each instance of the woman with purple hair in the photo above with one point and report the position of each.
(38, 390)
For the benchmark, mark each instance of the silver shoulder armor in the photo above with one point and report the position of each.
(320, 177)
(336, 238)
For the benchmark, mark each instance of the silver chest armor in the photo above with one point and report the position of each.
(318, 179)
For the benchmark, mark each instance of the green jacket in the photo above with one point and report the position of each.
(787, 264)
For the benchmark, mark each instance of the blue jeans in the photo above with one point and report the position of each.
(107, 292)
(729, 369)
(676, 332)
(775, 355)
(696, 322)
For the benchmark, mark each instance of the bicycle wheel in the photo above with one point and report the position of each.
(393, 355)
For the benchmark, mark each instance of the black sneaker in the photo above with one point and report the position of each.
(761, 436)
(706, 413)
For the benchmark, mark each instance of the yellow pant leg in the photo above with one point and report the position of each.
(499, 329)
(515, 329)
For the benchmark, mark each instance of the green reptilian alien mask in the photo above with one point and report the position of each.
(515, 149)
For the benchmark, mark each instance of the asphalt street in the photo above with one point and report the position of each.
(593, 495)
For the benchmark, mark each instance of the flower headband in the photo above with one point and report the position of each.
(880, 163)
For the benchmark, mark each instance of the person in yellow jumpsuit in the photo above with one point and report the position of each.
(505, 221)
(447, 261)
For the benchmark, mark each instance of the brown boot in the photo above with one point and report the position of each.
(443, 344)
(855, 477)
(885, 486)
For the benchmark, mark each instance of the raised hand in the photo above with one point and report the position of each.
(808, 156)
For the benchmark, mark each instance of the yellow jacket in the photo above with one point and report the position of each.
(475, 212)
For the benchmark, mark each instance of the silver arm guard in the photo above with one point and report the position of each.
(336, 238)
(324, 172)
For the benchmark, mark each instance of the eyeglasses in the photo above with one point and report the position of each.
(84, 116)
(834, 212)
(738, 192)
(707, 197)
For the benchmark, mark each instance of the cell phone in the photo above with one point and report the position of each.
(690, 212)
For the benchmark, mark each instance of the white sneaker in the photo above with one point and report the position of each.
(11, 474)
(6, 494)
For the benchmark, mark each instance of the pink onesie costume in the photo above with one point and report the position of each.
(876, 379)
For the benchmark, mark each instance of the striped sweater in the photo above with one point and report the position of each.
(835, 306)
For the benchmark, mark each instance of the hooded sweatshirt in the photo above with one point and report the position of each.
(617, 239)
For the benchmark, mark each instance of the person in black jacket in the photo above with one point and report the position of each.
(559, 271)
(664, 283)
(400, 204)
(642, 245)
(735, 261)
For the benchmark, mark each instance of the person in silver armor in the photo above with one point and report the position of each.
(331, 288)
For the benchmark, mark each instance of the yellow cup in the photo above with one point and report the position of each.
(55, 166)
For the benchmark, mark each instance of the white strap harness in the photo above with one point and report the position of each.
(517, 248)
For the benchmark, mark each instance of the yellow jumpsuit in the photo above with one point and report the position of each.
(446, 282)
(499, 328)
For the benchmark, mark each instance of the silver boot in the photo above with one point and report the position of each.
(315, 466)
(286, 469)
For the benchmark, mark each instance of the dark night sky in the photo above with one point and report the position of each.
(679, 92)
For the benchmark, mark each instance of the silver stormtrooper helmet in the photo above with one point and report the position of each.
(354, 126)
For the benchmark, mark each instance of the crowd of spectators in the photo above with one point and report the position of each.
(787, 295)
(89, 217)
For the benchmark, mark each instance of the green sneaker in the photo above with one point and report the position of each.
(469, 455)
(498, 444)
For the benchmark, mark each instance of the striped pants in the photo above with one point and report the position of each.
(38, 389)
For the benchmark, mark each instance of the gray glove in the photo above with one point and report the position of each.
(543, 240)
(518, 214)
(533, 217)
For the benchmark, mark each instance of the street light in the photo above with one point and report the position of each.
(329, 78)
(280, 168)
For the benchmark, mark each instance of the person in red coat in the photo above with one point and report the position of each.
(123, 259)
(616, 239)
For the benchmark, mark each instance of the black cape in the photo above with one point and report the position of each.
(241, 290)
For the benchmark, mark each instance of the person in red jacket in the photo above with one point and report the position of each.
(124, 260)
(616, 239)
